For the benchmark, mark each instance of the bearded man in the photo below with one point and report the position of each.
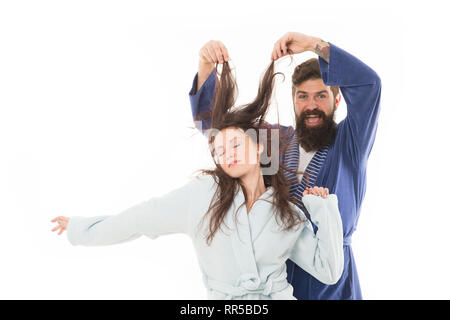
(332, 155)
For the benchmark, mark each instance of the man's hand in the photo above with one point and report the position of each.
(211, 53)
(297, 43)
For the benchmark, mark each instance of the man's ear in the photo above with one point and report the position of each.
(337, 100)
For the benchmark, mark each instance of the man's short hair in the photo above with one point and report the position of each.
(309, 70)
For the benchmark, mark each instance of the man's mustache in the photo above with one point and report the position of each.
(314, 112)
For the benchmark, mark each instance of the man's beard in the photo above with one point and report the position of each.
(316, 137)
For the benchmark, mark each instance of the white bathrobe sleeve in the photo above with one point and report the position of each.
(321, 254)
(154, 217)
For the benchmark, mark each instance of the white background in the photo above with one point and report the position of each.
(95, 117)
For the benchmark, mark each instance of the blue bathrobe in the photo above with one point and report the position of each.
(340, 167)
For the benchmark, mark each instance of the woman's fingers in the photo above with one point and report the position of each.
(320, 191)
(56, 218)
(317, 191)
(62, 224)
(62, 230)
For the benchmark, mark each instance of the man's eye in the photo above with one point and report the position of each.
(322, 96)
(302, 96)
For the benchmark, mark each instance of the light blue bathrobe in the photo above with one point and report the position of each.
(247, 259)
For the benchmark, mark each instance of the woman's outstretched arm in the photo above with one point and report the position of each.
(154, 217)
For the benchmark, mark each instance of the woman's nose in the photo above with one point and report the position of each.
(231, 158)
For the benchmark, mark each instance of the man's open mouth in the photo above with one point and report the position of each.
(313, 119)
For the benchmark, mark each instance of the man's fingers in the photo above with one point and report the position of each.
(278, 49)
(273, 55)
(219, 54)
(284, 47)
(207, 56)
(212, 54)
(55, 228)
(226, 55)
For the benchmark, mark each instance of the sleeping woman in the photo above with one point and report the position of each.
(243, 223)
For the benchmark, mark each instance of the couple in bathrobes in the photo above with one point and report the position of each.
(245, 225)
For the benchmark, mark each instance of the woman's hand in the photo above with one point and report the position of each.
(62, 224)
(322, 192)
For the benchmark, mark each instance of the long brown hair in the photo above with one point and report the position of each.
(249, 116)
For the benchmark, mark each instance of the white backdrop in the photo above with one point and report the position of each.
(95, 117)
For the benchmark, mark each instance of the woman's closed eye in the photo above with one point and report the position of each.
(221, 153)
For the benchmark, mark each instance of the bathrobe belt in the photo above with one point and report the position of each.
(348, 241)
(247, 284)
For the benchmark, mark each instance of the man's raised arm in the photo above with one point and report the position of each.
(201, 94)
(359, 84)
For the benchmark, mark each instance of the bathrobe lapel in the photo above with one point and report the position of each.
(247, 227)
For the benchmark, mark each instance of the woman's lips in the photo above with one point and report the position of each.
(232, 163)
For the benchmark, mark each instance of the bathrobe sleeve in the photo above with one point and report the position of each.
(321, 254)
(154, 217)
(361, 88)
(201, 102)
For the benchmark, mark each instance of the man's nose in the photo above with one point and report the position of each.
(310, 104)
